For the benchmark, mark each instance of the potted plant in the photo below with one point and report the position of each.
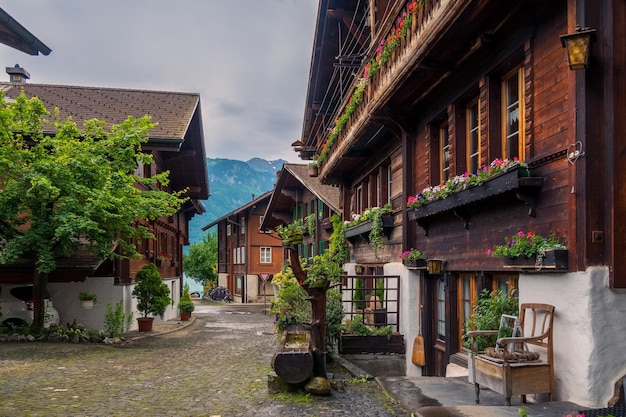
(530, 250)
(185, 305)
(486, 315)
(87, 299)
(292, 233)
(153, 296)
(372, 223)
(413, 258)
(357, 337)
(313, 169)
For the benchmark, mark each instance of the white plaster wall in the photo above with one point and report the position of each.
(252, 288)
(408, 311)
(589, 332)
(65, 299)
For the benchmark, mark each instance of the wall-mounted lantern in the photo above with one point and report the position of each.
(434, 266)
(578, 45)
(358, 269)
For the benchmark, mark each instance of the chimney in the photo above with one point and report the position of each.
(17, 74)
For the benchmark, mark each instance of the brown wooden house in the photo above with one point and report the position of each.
(177, 145)
(406, 95)
(247, 256)
(299, 196)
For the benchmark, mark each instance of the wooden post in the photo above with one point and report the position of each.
(317, 297)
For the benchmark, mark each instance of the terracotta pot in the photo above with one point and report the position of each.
(184, 316)
(145, 324)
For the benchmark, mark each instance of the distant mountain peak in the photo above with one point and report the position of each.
(233, 183)
(263, 165)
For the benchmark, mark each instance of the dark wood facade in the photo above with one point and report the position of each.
(461, 84)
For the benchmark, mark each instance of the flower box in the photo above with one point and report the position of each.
(515, 181)
(554, 260)
(353, 344)
(363, 229)
(414, 263)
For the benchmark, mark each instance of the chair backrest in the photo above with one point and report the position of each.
(536, 321)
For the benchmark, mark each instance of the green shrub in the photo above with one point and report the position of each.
(334, 315)
(486, 315)
(116, 321)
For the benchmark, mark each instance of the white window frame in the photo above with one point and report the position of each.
(265, 254)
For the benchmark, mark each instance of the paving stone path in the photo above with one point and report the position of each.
(217, 366)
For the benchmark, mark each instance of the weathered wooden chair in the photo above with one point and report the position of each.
(511, 369)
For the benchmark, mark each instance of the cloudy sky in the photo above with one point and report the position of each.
(248, 59)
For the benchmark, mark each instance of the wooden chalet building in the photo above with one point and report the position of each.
(177, 145)
(405, 95)
(247, 256)
(299, 196)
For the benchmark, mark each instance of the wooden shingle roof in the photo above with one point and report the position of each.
(173, 111)
(178, 116)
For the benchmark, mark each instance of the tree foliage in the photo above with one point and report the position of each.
(75, 190)
(200, 263)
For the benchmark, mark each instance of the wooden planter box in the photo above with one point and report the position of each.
(352, 344)
(415, 263)
(363, 229)
(554, 260)
(514, 181)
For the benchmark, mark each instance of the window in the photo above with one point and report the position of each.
(505, 283)
(512, 114)
(467, 299)
(441, 310)
(229, 229)
(359, 199)
(473, 136)
(389, 181)
(266, 255)
(239, 255)
(243, 225)
(444, 152)
(379, 191)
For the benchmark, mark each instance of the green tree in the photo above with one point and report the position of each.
(73, 191)
(200, 262)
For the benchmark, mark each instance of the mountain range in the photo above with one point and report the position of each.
(232, 184)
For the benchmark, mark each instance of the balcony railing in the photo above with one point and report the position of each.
(381, 71)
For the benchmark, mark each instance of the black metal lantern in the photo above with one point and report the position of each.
(578, 46)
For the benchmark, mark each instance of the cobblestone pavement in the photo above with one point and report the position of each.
(216, 366)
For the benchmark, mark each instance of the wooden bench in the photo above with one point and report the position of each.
(507, 376)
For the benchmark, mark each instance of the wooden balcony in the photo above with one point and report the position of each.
(390, 61)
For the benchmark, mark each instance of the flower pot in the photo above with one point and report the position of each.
(184, 316)
(363, 229)
(313, 171)
(86, 304)
(145, 324)
(553, 260)
(414, 263)
(353, 344)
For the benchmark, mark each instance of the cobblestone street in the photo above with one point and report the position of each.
(217, 366)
